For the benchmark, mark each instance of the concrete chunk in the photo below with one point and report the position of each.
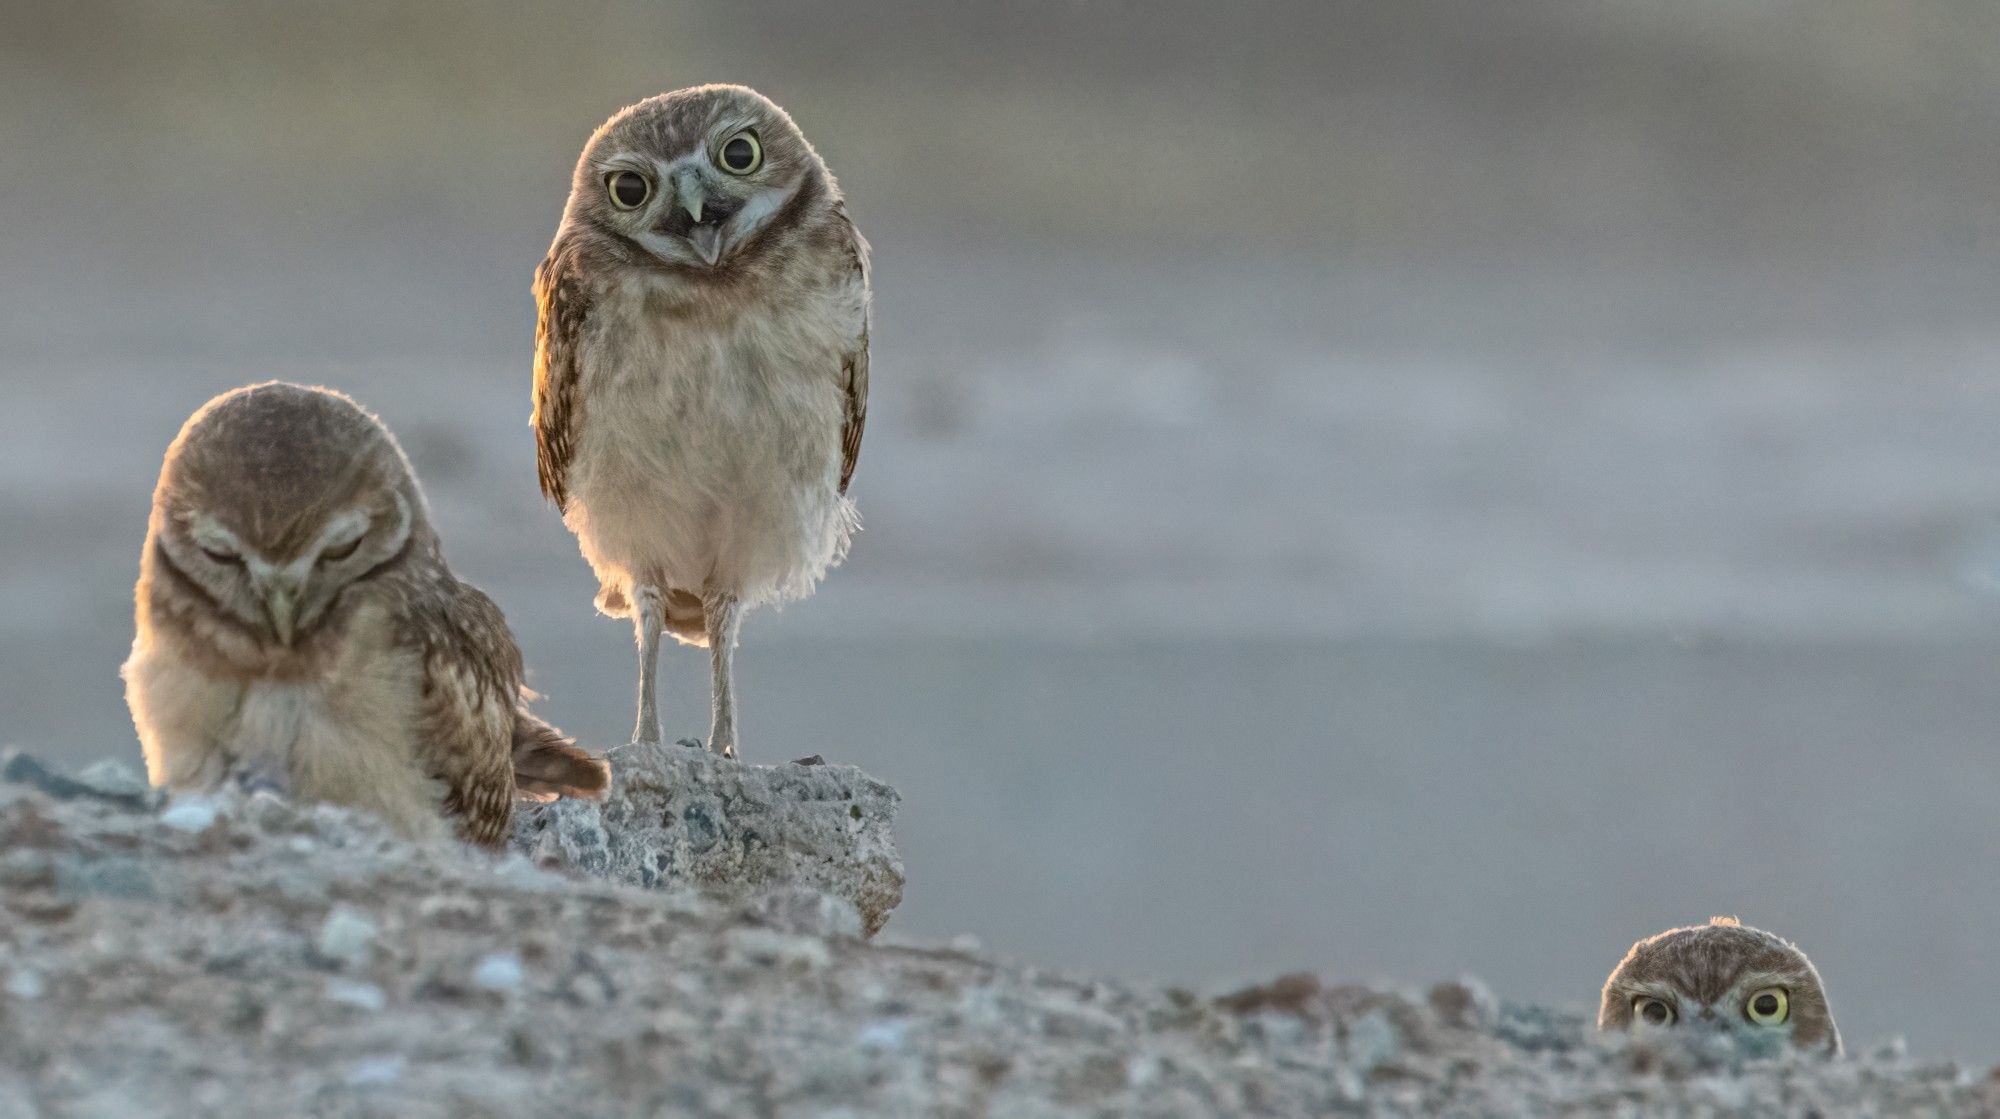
(683, 818)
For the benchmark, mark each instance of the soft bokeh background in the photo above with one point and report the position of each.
(1393, 489)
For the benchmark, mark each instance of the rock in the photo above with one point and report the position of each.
(1465, 1004)
(193, 813)
(115, 876)
(346, 937)
(115, 780)
(23, 768)
(495, 989)
(807, 912)
(375, 1072)
(26, 868)
(500, 972)
(27, 984)
(360, 996)
(680, 818)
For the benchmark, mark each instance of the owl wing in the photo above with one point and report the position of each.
(854, 364)
(563, 305)
(471, 685)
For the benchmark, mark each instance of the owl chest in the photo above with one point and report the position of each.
(719, 404)
(355, 705)
(302, 723)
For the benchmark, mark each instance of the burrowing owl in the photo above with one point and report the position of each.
(296, 623)
(701, 372)
(1722, 978)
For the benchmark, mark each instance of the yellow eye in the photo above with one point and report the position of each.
(740, 154)
(1652, 1011)
(628, 189)
(1768, 1007)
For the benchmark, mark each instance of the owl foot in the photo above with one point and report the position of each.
(258, 776)
(697, 744)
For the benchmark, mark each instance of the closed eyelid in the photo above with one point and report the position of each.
(344, 529)
(212, 536)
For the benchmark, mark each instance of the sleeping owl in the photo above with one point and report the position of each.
(297, 625)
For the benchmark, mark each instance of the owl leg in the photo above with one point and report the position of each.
(648, 615)
(723, 617)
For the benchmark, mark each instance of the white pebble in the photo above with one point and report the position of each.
(347, 937)
(360, 996)
(374, 1072)
(27, 984)
(499, 971)
(883, 1035)
(192, 813)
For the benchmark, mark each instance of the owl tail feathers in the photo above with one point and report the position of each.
(549, 764)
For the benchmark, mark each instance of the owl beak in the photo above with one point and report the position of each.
(281, 605)
(688, 191)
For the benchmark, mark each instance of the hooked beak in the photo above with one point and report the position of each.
(281, 606)
(688, 192)
(704, 237)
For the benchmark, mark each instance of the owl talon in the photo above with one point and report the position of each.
(256, 777)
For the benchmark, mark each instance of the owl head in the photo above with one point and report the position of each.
(698, 177)
(276, 498)
(1721, 978)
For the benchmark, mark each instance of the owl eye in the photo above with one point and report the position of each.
(1768, 1007)
(218, 555)
(741, 153)
(340, 551)
(1652, 1011)
(628, 189)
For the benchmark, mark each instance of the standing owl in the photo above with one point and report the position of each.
(701, 372)
(297, 624)
(1721, 978)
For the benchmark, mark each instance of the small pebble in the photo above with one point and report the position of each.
(360, 996)
(193, 813)
(347, 937)
(376, 1072)
(110, 877)
(499, 971)
(27, 984)
(114, 778)
(25, 867)
(883, 1035)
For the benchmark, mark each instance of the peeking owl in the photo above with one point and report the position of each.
(1721, 978)
(297, 626)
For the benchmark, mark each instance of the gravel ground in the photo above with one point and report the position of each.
(250, 957)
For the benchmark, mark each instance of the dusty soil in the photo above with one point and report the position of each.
(245, 956)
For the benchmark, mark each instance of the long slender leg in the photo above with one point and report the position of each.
(723, 618)
(648, 615)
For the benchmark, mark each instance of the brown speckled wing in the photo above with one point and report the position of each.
(854, 369)
(472, 681)
(563, 306)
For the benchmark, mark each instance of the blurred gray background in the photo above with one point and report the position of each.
(1395, 489)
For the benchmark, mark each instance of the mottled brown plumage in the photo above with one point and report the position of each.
(701, 371)
(296, 624)
(1721, 978)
